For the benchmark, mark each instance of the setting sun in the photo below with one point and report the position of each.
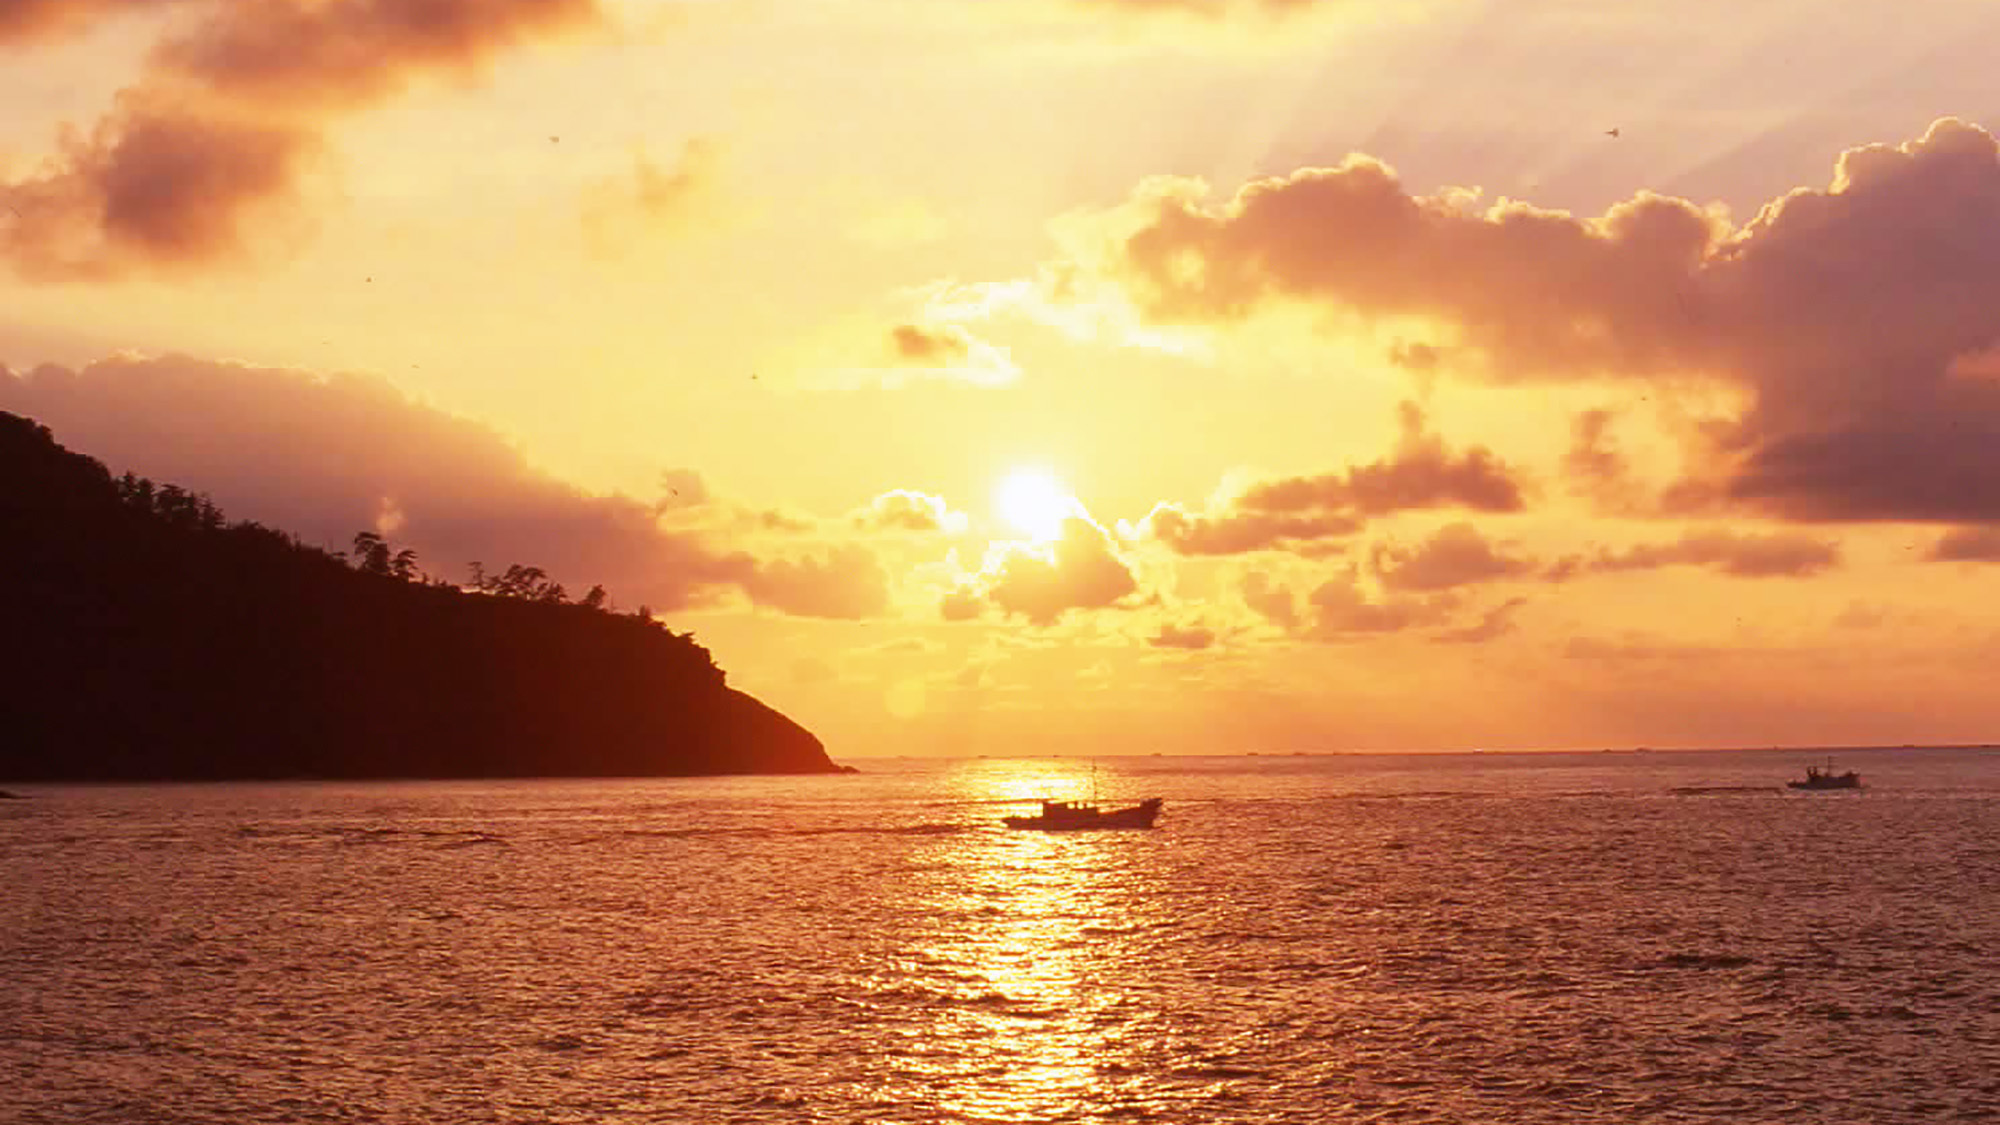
(1035, 502)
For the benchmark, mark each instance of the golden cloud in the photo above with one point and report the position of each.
(219, 129)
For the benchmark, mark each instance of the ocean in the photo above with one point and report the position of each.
(1480, 938)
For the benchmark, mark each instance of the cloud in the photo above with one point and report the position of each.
(1340, 610)
(1776, 555)
(1191, 638)
(1080, 570)
(1849, 318)
(1597, 469)
(948, 350)
(215, 138)
(152, 185)
(1455, 555)
(1288, 512)
(903, 509)
(1498, 622)
(338, 54)
(682, 488)
(1273, 602)
(1967, 544)
(1236, 532)
(327, 456)
(930, 347)
(23, 21)
(961, 605)
(847, 583)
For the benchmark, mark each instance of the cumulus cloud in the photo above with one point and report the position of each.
(218, 133)
(1454, 555)
(1080, 570)
(152, 185)
(1775, 555)
(1849, 316)
(903, 509)
(1291, 512)
(325, 457)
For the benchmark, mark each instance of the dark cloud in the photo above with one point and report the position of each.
(1455, 555)
(325, 457)
(1294, 513)
(215, 136)
(1191, 638)
(1776, 555)
(1854, 316)
(1968, 544)
(1081, 572)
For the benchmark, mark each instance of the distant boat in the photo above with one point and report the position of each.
(1078, 816)
(1817, 778)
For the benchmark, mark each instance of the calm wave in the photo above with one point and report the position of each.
(1481, 938)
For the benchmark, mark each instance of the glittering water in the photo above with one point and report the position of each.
(1576, 938)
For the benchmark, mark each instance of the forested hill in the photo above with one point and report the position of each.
(145, 637)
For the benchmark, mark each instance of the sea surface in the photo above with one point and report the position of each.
(1481, 938)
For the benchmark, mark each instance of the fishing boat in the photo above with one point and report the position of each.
(1817, 778)
(1082, 816)
(1079, 816)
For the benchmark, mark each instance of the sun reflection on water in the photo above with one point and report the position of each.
(1028, 955)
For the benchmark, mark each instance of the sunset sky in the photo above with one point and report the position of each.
(1079, 375)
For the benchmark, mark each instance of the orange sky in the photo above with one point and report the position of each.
(1076, 375)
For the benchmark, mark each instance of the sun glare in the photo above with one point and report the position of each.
(1035, 502)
